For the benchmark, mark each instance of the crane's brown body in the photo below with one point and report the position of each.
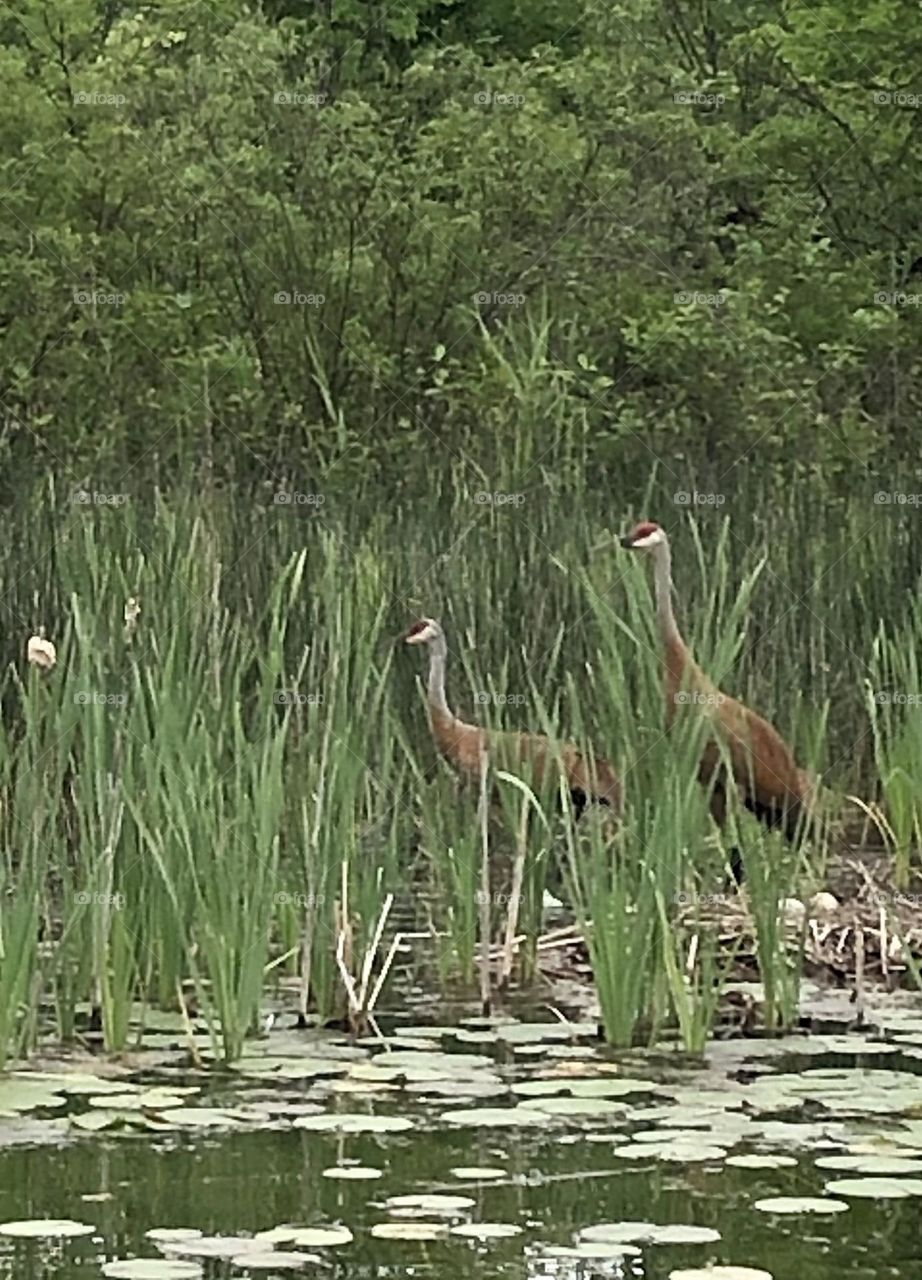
(466, 746)
(744, 752)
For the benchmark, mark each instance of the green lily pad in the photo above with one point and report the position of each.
(617, 1233)
(476, 1174)
(800, 1204)
(721, 1273)
(309, 1237)
(520, 1117)
(870, 1165)
(588, 1108)
(430, 1203)
(45, 1228)
(151, 1269)
(348, 1122)
(409, 1230)
(174, 1233)
(352, 1173)
(20, 1095)
(205, 1117)
(273, 1260)
(761, 1162)
(486, 1230)
(212, 1246)
(876, 1188)
(591, 1249)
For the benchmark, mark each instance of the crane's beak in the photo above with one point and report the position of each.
(626, 541)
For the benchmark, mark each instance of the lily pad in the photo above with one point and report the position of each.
(45, 1228)
(721, 1273)
(309, 1237)
(212, 1246)
(430, 1203)
(174, 1233)
(870, 1165)
(761, 1162)
(476, 1174)
(800, 1204)
(272, 1260)
(582, 1108)
(352, 1173)
(151, 1269)
(592, 1249)
(486, 1230)
(349, 1122)
(409, 1230)
(497, 1118)
(617, 1233)
(19, 1095)
(876, 1188)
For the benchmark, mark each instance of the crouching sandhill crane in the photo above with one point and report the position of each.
(762, 764)
(589, 778)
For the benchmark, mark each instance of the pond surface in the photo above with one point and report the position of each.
(595, 1141)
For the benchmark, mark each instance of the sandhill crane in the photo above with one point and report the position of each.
(590, 778)
(764, 771)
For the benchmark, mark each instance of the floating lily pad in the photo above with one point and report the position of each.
(45, 1228)
(800, 1204)
(352, 1172)
(174, 1233)
(617, 1233)
(591, 1249)
(273, 1260)
(870, 1165)
(721, 1273)
(409, 1230)
(151, 1269)
(577, 1108)
(876, 1188)
(212, 1246)
(309, 1237)
(761, 1162)
(476, 1174)
(348, 1122)
(430, 1203)
(497, 1118)
(486, 1230)
(20, 1095)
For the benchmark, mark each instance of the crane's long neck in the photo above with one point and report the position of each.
(438, 652)
(680, 666)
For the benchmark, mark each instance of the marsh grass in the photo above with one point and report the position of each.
(228, 789)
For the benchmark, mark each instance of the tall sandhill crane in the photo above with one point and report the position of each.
(762, 764)
(590, 778)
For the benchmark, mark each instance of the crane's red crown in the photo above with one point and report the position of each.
(417, 628)
(643, 530)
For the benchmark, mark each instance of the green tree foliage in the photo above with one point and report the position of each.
(283, 237)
